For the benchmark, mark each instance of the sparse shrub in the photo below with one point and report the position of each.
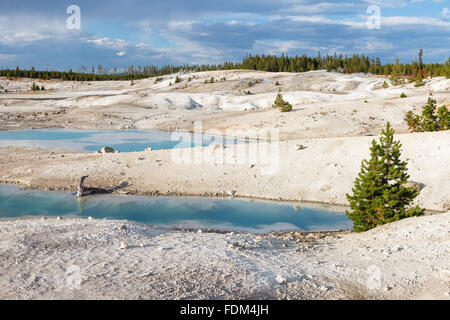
(159, 79)
(277, 83)
(177, 80)
(42, 88)
(250, 84)
(385, 85)
(379, 193)
(189, 79)
(35, 87)
(403, 95)
(211, 80)
(281, 104)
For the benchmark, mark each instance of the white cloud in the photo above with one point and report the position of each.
(121, 53)
(21, 30)
(105, 42)
(403, 21)
(7, 57)
(445, 13)
(275, 47)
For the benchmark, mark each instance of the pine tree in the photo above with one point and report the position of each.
(379, 194)
(429, 119)
(419, 79)
(443, 118)
(420, 59)
(397, 75)
(447, 68)
(281, 104)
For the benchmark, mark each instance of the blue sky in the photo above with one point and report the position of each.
(121, 33)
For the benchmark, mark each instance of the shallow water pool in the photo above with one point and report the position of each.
(189, 212)
(122, 140)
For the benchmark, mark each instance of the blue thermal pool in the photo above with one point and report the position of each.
(189, 212)
(122, 140)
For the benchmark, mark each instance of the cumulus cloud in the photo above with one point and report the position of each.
(23, 29)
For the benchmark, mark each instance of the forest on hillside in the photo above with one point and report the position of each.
(284, 63)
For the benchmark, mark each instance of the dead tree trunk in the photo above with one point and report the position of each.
(81, 189)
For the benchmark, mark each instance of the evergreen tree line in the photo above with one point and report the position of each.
(271, 63)
(353, 64)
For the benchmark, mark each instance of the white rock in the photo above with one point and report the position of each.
(199, 231)
(123, 245)
(90, 218)
(281, 280)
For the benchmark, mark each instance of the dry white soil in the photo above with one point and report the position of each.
(83, 259)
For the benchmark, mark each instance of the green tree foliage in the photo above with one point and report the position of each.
(385, 85)
(281, 104)
(419, 79)
(397, 74)
(430, 119)
(285, 63)
(177, 80)
(443, 118)
(447, 68)
(379, 194)
(35, 87)
(403, 95)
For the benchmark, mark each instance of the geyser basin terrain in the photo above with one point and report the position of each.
(221, 214)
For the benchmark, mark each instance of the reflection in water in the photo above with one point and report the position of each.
(122, 140)
(224, 214)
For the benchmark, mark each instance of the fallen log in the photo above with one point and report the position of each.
(81, 188)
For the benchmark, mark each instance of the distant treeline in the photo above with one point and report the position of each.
(353, 64)
(284, 63)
